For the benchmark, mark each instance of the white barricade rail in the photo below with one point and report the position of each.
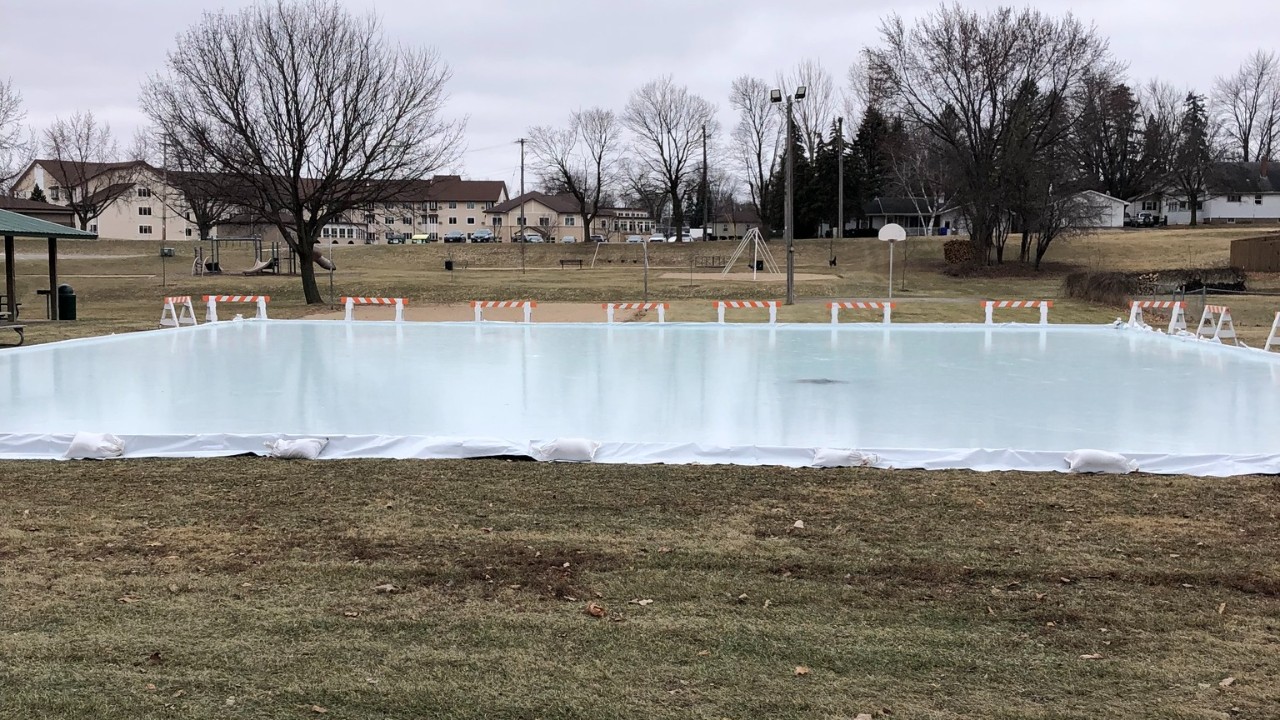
(991, 305)
(177, 311)
(480, 305)
(1215, 324)
(660, 307)
(772, 305)
(1177, 315)
(836, 307)
(211, 304)
(1274, 337)
(351, 302)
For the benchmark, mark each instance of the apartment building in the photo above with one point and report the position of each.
(556, 217)
(130, 199)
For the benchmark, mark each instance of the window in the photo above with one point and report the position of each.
(569, 221)
(433, 219)
(488, 205)
(544, 221)
(1257, 199)
(1233, 198)
(427, 219)
(388, 220)
(144, 192)
(144, 229)
(471, 221)
(406, 220)
(188, 232)
(471, 206)
(453, 205)
(55, 193)
(144, 210)
(433, 206)
(1149, 205)
(520, 220)
(93, 227)
(453, 221)
(369, 219)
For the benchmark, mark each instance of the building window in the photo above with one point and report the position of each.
(433, 219)
(188, 232)
(1149, 205)
(427, 219)
(93, 227)
(55, 193)
(144, 210)
(544, 221)
(453, 205)
(471, 221)
(488, 205)
(453, 221)
(1233, 198)
(144, 192)
(144, 229)
(521, 220)
(388, 220)
(1257, 199)
(471, 205)
(569, 221)
(406, 220)
(369, 219)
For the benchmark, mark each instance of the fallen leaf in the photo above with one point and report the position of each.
(151, 687)
(704, 653)
(742, 597)
(386, 588)
(595, 610)
(128, 599)
(486, 529)
(664, 549)
(642, 603)
(351, 613)
(1064, 580)
(1040, 596)
(230, 701)
(801, 670)
(1227, 682)
(179, 693)
(799, 525)
(173, 588)
(767, 603)
(1051, 624)
(1094, 656)
(320, 709)
(1187, 585)
(1222, 608)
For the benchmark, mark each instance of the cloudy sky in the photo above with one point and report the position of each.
(519, 63)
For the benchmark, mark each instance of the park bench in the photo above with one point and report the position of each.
(6, 325)
(567, 262)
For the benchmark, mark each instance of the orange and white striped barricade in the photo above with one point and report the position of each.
(1176, 308)
(177, 311)
(660, 307)
(526, 305)
(352, 302)
(1274, 338)
(1216, 325)
(991, 305)
(211, 304)
(836, 307)
(772, 305)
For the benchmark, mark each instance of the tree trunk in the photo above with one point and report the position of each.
(677, 213)
(306, 259)
(1191, 202)
(1024, 253)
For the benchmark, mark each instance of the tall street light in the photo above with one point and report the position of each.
(788, 230)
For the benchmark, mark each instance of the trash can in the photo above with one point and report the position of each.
(66, 303)
(759, 266)
(448, 265)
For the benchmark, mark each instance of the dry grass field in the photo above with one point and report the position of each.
(253, 588)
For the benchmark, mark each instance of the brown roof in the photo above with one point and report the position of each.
(451, 188)
(565, 204)
(81, 172)
(21, 205)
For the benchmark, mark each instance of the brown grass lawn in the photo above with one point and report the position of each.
(248, 588)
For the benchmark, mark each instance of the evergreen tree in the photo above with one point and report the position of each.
(1193, 155)
(37, 194)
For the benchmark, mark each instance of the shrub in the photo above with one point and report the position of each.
(1104, 288)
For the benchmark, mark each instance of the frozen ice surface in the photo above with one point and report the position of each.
(657, 393)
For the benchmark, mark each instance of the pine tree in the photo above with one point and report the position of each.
(37, 194)
(1193, 154)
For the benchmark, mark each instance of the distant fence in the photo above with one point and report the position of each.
(1258, 254)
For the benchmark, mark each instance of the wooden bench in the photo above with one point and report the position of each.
(567, 262)
(4, 311)
(11, 326)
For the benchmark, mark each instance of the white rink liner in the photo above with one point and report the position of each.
(1011, 397)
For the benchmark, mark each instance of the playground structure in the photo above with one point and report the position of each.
(759, 253)
(268, 259)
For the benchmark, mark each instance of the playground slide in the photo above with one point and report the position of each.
(261, 267)
(324, 262)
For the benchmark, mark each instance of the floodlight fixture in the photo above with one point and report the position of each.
(775, 96)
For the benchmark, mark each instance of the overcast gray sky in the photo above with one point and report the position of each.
(518, 63)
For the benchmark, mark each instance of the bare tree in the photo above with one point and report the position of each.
(641, 189)
(186, 181)
(990, 88)
(668, 121)
(580, 159)
(816, 113)
(84, 154)
(15, 149)
(1247, 104)
(309, 108)
(756, 140)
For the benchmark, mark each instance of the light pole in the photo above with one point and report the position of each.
(788, 220)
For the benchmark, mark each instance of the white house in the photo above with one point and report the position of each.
(1239, 193)
(1093, 209)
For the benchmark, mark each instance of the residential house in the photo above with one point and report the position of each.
(1239, 193)
(1093, 209)
(918, 216)
(556, 217)
(39, 210)
(128, 194)
(734, 223)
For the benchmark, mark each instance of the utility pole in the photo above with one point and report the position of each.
(520, 220)
(706, 189)
(839, 233)
(789, 231)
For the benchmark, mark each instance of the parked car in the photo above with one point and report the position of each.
(657, 237)
(568, 239)
(454, 236)
(482, 236)
(533, 238)
(1146, 219)
(599, 239)
(634, 239)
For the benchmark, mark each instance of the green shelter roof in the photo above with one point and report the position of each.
(15, 225)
